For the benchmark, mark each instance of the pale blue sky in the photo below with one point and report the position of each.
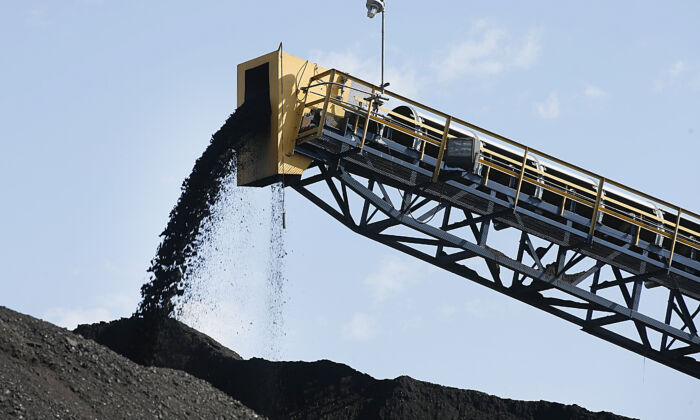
(105, 105)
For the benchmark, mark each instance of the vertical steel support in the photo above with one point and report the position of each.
(441, 153)
(370, 104)
(326, 101)
(357, 122)
(365, 206)
(596, 208)
(636, 294)
(561, 259)
(675, 237)
(667, 320)
(445, 222)
(594, 287)
(563, 206)
(301, 109)
(484, 232)
(521, 253)
(520, 178)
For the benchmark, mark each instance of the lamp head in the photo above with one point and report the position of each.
(374, 7)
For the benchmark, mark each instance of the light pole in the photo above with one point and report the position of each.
(374, 7)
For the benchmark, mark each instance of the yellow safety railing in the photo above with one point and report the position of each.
(330, 92)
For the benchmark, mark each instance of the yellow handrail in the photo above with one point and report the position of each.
(521, 168)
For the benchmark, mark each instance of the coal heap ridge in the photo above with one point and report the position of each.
(50, 372)
(309, 390)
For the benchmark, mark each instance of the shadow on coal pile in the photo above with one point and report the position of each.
(309, 390)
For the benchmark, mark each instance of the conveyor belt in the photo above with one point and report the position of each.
(594, 227)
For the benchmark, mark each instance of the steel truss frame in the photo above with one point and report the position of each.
(452, 238)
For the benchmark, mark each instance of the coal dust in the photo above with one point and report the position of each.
(276, 297)
(235, 287)
(220, 264)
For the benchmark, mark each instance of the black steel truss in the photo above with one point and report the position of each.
(563, 280)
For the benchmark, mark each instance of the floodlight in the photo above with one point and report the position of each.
(374, 7)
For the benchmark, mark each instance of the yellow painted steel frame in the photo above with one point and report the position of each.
(264, 161)
(299, 87)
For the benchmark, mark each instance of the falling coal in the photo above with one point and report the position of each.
(235, 288)
(181, 239)
(276, 297)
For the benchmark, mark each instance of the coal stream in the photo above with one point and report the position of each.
(235, 288)
(276, 297)
(201, 189)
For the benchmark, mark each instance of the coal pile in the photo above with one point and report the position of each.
(310, 390)
(49, 372)
(200, 191)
